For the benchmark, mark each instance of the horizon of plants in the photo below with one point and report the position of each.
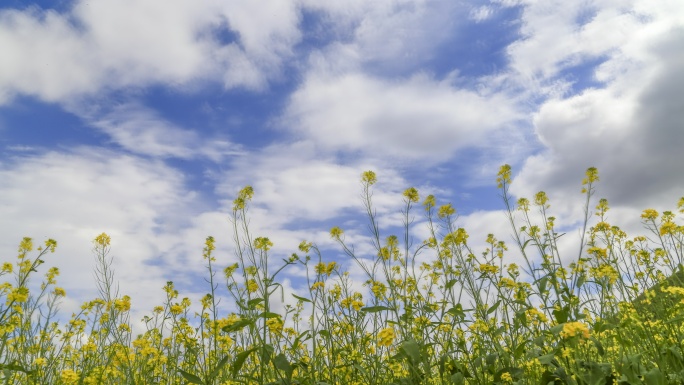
(436, 312)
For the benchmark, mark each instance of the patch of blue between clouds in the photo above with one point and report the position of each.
(32, 123)
(480, 56)
(56, 5)
(581, 76)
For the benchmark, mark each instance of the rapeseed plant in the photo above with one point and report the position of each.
(434, 312)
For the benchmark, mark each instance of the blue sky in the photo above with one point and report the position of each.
(144, 118)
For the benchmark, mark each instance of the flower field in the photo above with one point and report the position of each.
(432, 312)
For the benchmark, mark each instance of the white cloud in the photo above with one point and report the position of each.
(414, 119)
(481, 13)
(98, 45)
(142, 131)
(73, 197)
(630, 129)
(386, 36)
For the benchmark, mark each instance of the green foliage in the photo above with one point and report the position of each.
(435, 312)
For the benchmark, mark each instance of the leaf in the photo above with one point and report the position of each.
(494, 307)
(238, 325)
(301, 298)
(450, 284)
(268, 314)
(598, 345)
(193, 379)
(546, 359)
(562, 314)
(266, 352)
(14, 367)
(557, 329)
(218, 367)
(240, 360)
(580, 280)
(375, 309)
(304, 335)
(411, 349)
(281, 363)
(253, 302)
(457, 311)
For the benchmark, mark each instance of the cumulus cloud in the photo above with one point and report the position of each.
(96, 45)
(73, 197)
(630, 128)
(411, 119)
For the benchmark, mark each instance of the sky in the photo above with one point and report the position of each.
(144, 118)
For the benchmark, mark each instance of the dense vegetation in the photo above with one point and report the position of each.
(435, 312)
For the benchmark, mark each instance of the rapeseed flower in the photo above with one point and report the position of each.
(572, 329)
(386, 336)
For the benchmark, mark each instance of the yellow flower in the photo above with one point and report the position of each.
(411, 194)
(25, 246)
(504, 176)
(252, 286)
(649, 215)
(429, 202)
(572, 329)
(378, 289)
(305, 246)
(506, 378)
(123, 304)
(317, 285)
(103, 240)
(446, 211)
(59, 292)
(263, 243)
(275, 325)
(7, 267)
(18, 295)
(386, 336)
(39, 362)
(668, 228)
(368, 177)
(591, 176)
(244, 196)
(69, 376)
(540, 199)
(486, 268)
(329, 269)
(336, 232)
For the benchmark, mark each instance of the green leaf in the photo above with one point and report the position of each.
(218, 367)
(240, 360)
(598, 345)
(494, 307)
(281, 363)
(238, 325)
(411, 349)
(580, 280)
(303, 336)
(193, 379)
(16, 368)
(556, 329)
(266, 352)
(253, 302)
(301, 298)
(562, 314)
(450, 284)
(375, 309)
(457, 311)
(268, 314)
(546, 359)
